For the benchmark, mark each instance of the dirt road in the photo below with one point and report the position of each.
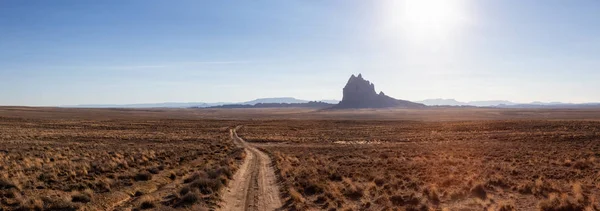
(254, 185)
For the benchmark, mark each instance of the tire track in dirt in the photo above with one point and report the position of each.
(254, 186)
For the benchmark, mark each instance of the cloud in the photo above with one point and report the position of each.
(149, 66)
(129, 67)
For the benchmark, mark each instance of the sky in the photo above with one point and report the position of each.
(69, 52)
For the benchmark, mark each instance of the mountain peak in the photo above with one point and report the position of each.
(360, 93)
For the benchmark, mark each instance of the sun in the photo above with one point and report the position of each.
(426, 18)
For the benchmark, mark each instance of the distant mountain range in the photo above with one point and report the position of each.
(311, 104)
(506, 104)
(279, 100)
(288, 100)
(453, 102)
(292, 101)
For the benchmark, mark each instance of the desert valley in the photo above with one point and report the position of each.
(369, 152)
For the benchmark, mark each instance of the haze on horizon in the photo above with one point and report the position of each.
(71, 52)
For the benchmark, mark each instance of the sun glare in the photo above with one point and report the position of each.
(427, 18)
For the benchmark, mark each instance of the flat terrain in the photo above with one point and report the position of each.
(467, 165)
(428, 114)
(390, 159)
(70, 164)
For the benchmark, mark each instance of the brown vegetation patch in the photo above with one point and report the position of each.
(94, 163)
(471, 165)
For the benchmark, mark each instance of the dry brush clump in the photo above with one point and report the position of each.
(89, 163)
(576, 199)
(469, 165)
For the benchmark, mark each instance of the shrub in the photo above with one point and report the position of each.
(582, 164)
(354, 193)
(102, 185)
(216, 173)
(32, 204)
(154, 170)
(206, 186)
(184, 190)
(503, 206)
(295, 196)
(7, 184)
(10, 194)
(479, 191)
(195, 176)
(188, 199)
(351, 190)
(142, 176)
(506, 207)
(432, 194)
(48, 177)
(148, 204)
(59, 204)
(379, 181)
(310, 187)
(398, 200)
(421, 207)
(81, 198)
(560, 203)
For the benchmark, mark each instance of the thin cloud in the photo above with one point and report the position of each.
(150, 66)
(219, 62)
(132, 67)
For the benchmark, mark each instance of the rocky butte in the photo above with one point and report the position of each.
(360, 93)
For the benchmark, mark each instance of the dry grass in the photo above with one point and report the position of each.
(92, 163)
(478, 159)
(428, 114)
(470, 165)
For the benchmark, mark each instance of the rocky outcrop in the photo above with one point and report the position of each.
(360, 93)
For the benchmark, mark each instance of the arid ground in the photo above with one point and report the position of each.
(192, 159)
(407, 165)
(92, 163)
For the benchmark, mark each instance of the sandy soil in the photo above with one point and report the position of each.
(254, 185)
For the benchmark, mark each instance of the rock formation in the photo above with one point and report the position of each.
(360, 93)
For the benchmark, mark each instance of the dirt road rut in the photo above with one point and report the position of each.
(254, 186)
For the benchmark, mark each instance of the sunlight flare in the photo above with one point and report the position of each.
(426, 20)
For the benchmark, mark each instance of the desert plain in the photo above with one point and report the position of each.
(365, 159)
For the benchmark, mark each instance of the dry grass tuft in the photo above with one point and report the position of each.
(82, 197)
(142, 176)
(576, 200)
(59, 204)
(479, 191)
(147, 203)
(188, 200)
(6, 183)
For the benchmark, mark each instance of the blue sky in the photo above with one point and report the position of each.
(141, 51)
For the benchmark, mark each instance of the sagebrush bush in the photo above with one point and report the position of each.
(206, 185)
(188, 199)
(147, 203)
(142, 176)
(59, 204)
(6, 183)
(479, 191)
(81, 197)
(195, 176)
(560, 202)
